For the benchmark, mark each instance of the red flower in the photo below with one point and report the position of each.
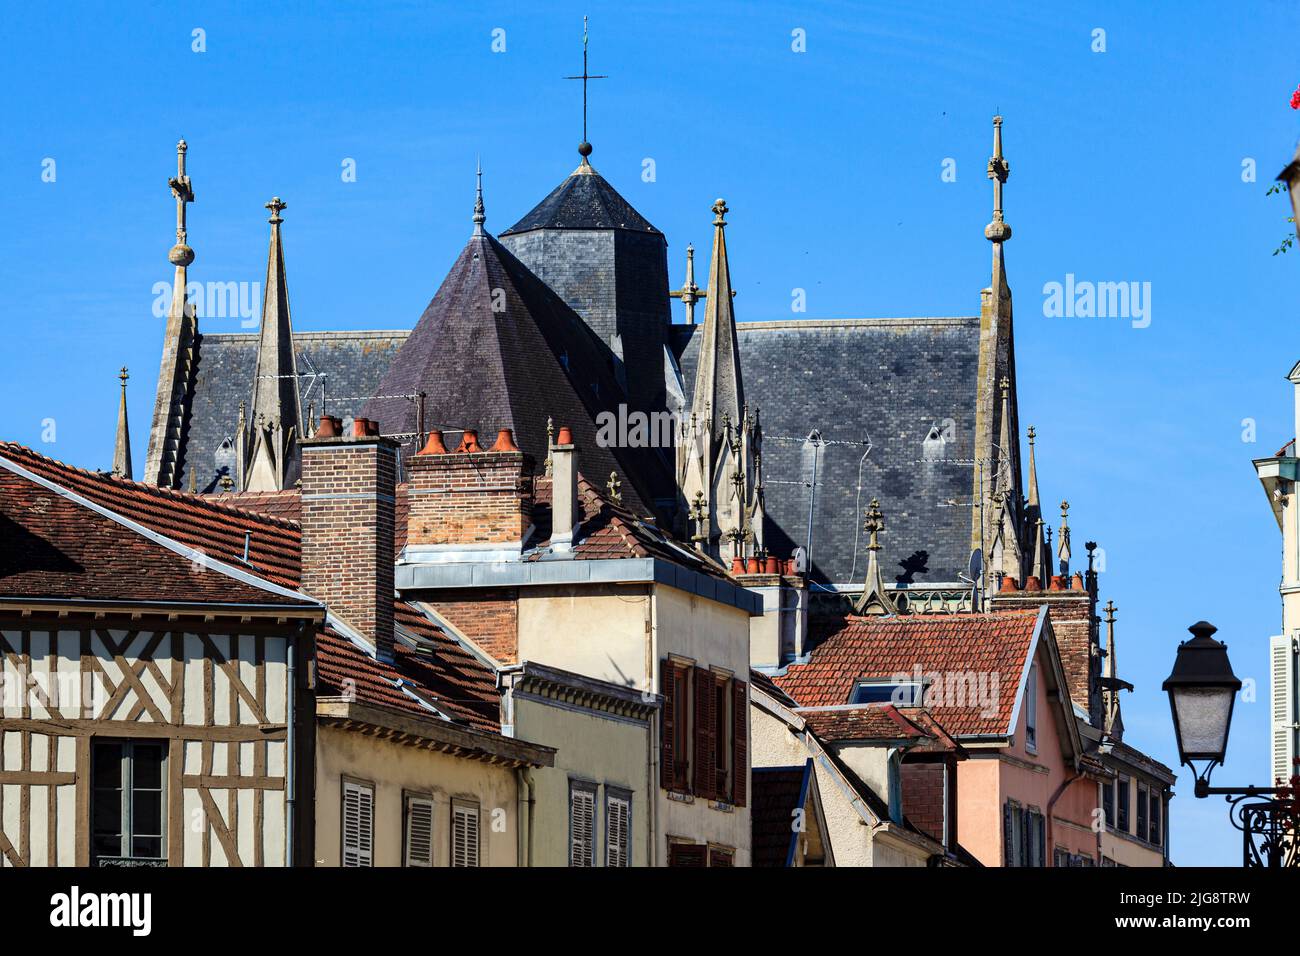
(1295, 99)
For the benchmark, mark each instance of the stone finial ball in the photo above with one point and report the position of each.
(997, 231)
(180, 255)
(584, 148)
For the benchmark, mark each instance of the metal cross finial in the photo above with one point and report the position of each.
(1006, 386)
(1110, 612)
(720, 210)
(585, 147)
(1065, 510)
(123, 376)
(873, 524)
(277, 206)
(615, 495)
(1032, 433)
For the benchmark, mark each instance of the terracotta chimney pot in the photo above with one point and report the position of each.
(330, 427)
(753, 567)
(565, 437)
(434, 445)
(505, 441)
(1058, 583)
(772, 565)
(737, 565)
(469, 442)
(1009, 584)
(1033, 583)
(1076, 582)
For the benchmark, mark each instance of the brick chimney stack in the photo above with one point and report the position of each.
(469, 500)
(564, 491)
(348, 509)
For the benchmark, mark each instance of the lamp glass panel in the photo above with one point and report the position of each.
(1203, 714)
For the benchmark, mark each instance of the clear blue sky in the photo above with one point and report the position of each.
(1126, 165)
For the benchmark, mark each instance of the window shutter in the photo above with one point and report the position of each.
(1282, 666)
(668, 725)
(617, 831)
(358, 824)
(582, 827)
(1008, 846)
(739, 742)
(688, 854)
(720, 857)
(1040, 840)
(464, 835)
(704, 720)
(419, 831)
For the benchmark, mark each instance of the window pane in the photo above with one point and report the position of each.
(146, 818)
(107, 845)
(107, 769)
(107, 812)
(150, 847)
(146, 761)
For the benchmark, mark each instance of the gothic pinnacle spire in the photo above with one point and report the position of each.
(480, 214)
(1063, 539)
(122, 446)
(874, 599)
(999, 171)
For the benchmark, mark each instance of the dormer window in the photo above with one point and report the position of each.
(898, 693)
(935, 445)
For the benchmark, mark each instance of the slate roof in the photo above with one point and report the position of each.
(585, 200)
(996, 645)
(337, 373)
(777, 793)
(496, 348)
(455, 682)
(887, 381)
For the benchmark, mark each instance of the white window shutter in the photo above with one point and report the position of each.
(582, 827)
(1282, 705)
(464, 835)
(617, 831)
(419, 831)
(358, 824)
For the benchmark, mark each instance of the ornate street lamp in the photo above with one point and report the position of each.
(1202, 690)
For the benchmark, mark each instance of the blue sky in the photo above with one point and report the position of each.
(1126, 165)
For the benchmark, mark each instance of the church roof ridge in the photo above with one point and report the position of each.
(953, 320)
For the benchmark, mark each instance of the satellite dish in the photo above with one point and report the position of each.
(976, 565)
(800, 560)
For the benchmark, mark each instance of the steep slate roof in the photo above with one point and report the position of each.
(449, 677)
(513, 367)
(777, 793)
(996, 645)
(338, 372)
(585, 200)
(883, 380)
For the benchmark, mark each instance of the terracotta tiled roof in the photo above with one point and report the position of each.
(768, 686)
(451, 678)
(950, 645)
(57, 548)
(198, 521)
(610, 531)
(861, 722)
(777, 795)
(448, 678)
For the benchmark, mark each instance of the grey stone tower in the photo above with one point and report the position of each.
(610, 266)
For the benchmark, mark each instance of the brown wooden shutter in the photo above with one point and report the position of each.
(688, 854)
(721, 857)
(668, 724)
(739, 742)
(705, 733)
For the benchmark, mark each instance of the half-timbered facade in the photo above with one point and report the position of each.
(152, 710)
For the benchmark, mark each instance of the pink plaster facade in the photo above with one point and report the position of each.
(1041, 779)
